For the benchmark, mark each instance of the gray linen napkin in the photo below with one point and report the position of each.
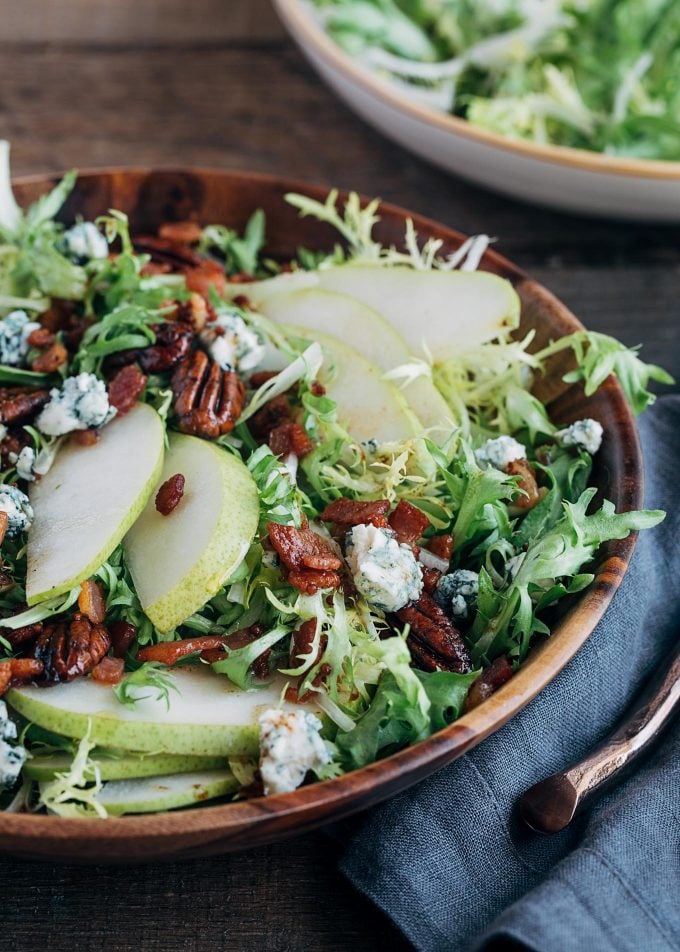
(449, 862)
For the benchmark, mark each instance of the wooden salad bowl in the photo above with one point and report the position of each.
(153, 196)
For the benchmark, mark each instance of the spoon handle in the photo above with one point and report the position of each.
(550, 805)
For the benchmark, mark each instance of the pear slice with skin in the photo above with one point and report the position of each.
(121, 765)
(155, 794)
(207, 716)
(89, 499)
(181, 560)
(370, 334)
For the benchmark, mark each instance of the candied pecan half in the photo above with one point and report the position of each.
(22, 636)
(353, 512)
(18, 671)
(21, 404)
(288, 438)
(173, 340)
(441, 546)
(529, 494)
(91, 601)
(435, 643)
(109, 670)
(125, 388)
(170, 494)
(408, 522)
(308, 557)
(51, 359)
(70, 647)
(208, 400)
(489, 681)
(185, 232)
(122, 634)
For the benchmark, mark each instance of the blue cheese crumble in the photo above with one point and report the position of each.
(15, 329)
(19, 510)
(85, 242)
(290, 745)
(232, 343)
(12, 757)
(81, 403)
(586, 434)
(499, 452)
(456, 593)
(385, 572)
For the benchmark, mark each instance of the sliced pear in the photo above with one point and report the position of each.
(89, 499)
(121, 765)
(368, 406)
(165, 793)
(348, 319)
(181, 560)
(259, 291)
(448, 311)
(207, 716)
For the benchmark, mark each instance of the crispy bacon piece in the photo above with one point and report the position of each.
(204, 276)
(109, 670)
(275, 411)
(170, 652)
(430, 578)
(51, 359)
(18, 671)
(353, 512)
(301, 643)
(170, 494)
(489, 681)
(126, 387)
(308, 557)
(288, 438)
(165, 250)
(435, 643)
(122, 635)
(184, 232)
(21, 404)
(71, 647)
(91, 601)
(408, 522)
(529, 494)
(441, 546)
(208, 400)
(41, 337)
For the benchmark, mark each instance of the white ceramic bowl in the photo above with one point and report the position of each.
(571, 179)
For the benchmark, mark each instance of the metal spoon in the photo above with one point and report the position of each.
(550, 805)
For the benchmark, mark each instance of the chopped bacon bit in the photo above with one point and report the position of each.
(4, 522)
(186, 232)
(170, 652)
(489, 681)
(109, 670)
(262, 376)
(288, 438)
(41, 337)
(529, 493)
(310, 581)
(317, 389)
(275, 411)
(204, 276)
(122, 635)
(166, 250)
(18, 671)
(408, 522)
(85, 437)
(441, 546)
(352, 512)
(430, 578)
(91, 601)
(170, 494)
(50, 360)
(302, 641)
(300, 551)
(126, 387)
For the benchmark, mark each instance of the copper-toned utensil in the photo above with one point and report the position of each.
(550, 805)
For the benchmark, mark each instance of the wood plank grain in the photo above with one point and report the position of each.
(130, 23)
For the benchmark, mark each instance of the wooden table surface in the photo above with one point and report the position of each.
(233, 92)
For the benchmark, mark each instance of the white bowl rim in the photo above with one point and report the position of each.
(301, 24)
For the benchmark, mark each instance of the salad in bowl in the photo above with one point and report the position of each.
(268, 521)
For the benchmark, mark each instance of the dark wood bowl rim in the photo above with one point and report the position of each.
(273, 817)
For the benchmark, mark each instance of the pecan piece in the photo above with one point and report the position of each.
(22, 636)
(435, 643)
(167, 250)
(173, 340)
(351, 512)
(170, 494)
(430, 578)
(529, 493)
(408, 522)
(208, 400)
(41, 337)
(51, 359)
(205, 276)
(489, 681)
(70, 647)
(122, 634)
(126, 387)
(195, 312)
(20, 404)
